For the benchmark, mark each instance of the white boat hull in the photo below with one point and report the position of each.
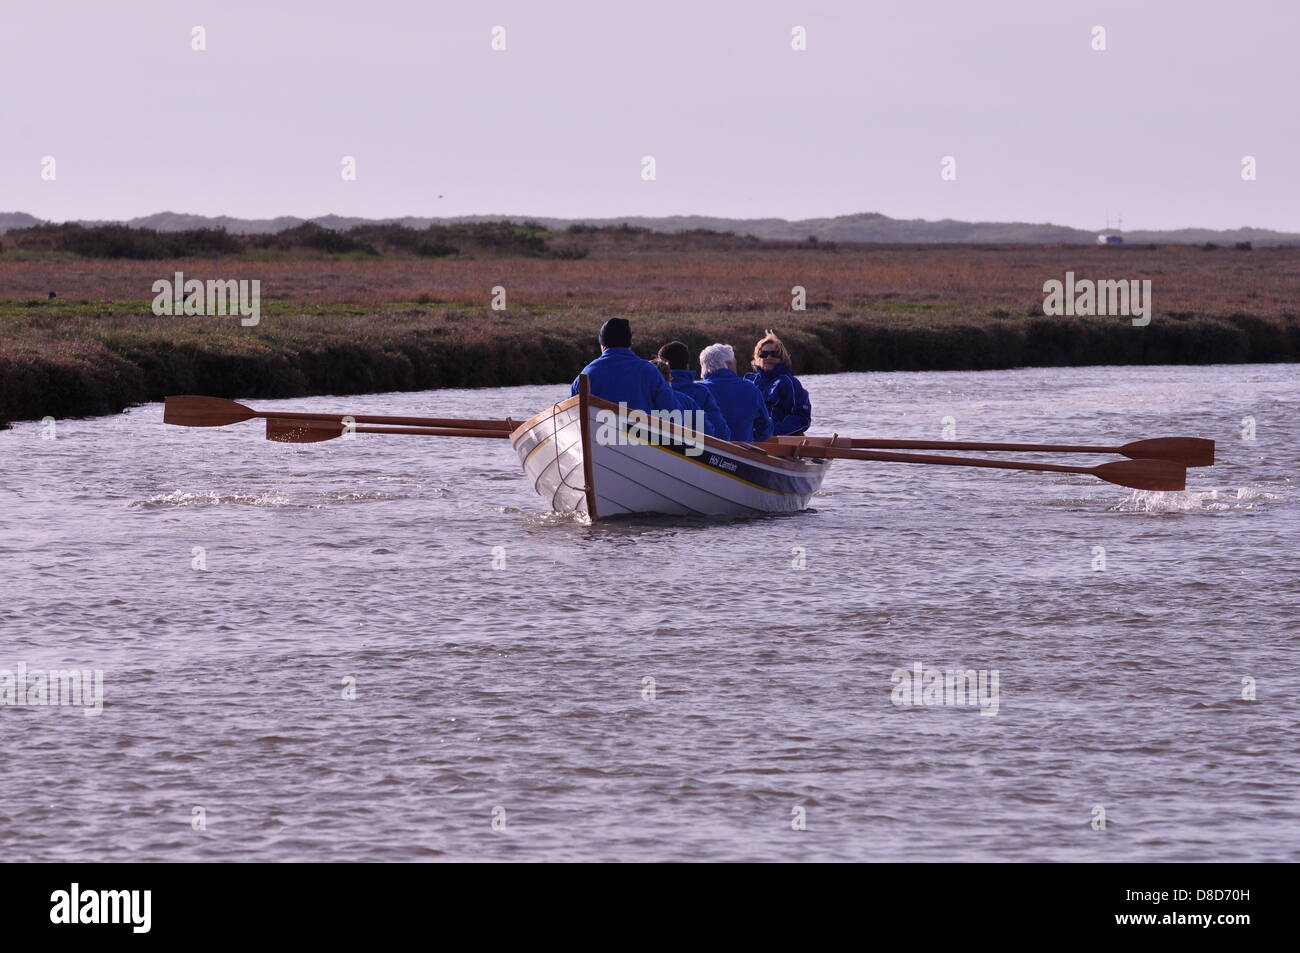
(653, 472)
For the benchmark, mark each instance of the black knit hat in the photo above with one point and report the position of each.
(616, 332)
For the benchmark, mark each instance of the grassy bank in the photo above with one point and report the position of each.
(336, 324)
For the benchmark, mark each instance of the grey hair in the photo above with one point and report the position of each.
(715, 357)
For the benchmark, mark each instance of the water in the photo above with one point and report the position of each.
(521, 689)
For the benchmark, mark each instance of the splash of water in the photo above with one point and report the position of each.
(212, 498)
(1189, 501)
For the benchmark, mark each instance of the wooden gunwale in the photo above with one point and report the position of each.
(725, 446)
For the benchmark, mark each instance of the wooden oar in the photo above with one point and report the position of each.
(1137, 474)
(1189, 451)
(193, 411)
(297, 430)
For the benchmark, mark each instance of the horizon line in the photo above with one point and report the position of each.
(660, 217)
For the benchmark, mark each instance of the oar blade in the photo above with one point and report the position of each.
(1144, 474)
(1189, 451)
(301, 431)
(195, 411)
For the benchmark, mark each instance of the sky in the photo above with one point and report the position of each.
(1041, 126)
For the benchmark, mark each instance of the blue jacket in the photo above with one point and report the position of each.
(715, 425)
(741, 404)
(688, 408)
(619, 376)
(786, 399)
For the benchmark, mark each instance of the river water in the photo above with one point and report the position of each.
(530, 688)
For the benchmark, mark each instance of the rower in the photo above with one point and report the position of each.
(620, 377)
(740, 401)
(678, 358)
(692, 413)
(786, 399)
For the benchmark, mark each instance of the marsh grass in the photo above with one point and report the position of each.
(346, 325)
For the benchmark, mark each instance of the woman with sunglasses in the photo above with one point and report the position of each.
(786, 399)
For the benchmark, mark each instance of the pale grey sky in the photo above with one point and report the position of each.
(1042, 127)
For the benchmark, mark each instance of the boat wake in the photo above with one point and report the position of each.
(1189, 501)
(357, 496)
(212, 498)
(268, 498)
(555, 519)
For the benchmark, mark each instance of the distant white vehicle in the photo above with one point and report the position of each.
(1109, 239)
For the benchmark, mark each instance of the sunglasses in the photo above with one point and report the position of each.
(769, 353)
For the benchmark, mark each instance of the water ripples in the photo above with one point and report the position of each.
(388, 651)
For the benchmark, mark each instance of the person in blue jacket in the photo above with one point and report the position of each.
(684, 403)
(785, 397)
(620, 377)
(678, 357)
(739, 399)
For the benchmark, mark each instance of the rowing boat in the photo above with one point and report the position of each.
(593, 458)
(652, 469)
